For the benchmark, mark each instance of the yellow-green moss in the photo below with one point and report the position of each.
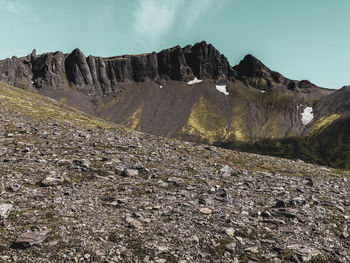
(204, 119)
(40, 107)
(134, 120)
(63, 100)
(324, 122)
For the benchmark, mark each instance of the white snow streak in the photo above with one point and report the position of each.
(307, 115)
(194, 81)
(222, 88)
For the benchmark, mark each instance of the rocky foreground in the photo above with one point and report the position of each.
(77, 189)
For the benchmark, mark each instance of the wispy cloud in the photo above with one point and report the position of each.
(196, 10)
(13, 7)
(153, 19)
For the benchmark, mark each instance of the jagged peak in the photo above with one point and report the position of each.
(177, 47)
(33, 54)
(202, 43)
(251, 61)
(77, 51)
(250, 66)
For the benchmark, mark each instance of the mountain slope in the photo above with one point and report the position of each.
(76, 188)
(192, 93)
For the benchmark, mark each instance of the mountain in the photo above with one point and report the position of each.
(193, 93)
(76, 188)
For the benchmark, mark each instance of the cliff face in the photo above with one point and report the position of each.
(102, 76)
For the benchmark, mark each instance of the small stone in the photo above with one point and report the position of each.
(5, 210)
(212, 190)
(309, 182)
(297, 201)
(194, 239)
(280, 203)
(305, 252)
(162, 249)
(340, 208)
(230, 232)
(64, 162)
(175, 181)
(53, 180)
(227, 171)
(266, 214)
(231, 247)
(130, 172)
(84, 163)
(87, 256)
(205, 210)
(29, 239)
(252, 249)
(289, 214)
(274, 221)
(245, 213)
(133, 223)
(345, 232)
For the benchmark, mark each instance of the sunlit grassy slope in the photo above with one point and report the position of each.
(37, 106)
(328, 145)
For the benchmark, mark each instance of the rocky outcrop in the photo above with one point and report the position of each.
(96, 75)
(254, 73)
(172, 64)
(48, 70)
(17, 72)
(207, 62)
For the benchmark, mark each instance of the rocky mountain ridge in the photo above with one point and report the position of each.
(254, 73)
(101, 76)
(193, 93)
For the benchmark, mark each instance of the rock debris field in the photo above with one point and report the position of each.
(81, 190)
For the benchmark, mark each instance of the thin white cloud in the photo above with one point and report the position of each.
(153, 19)
(12, 7)
(196, 10)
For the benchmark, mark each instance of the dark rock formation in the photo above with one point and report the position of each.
(78, 71)
(207, 62)
(17, 72)
(97, 76)
(48, 70)
(253, 72)
(172, 64)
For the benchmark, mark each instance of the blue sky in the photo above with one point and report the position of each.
(302, 39)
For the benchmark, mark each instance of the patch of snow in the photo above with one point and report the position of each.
(222, 88)
(194, 81)
(263, 91)
(307, 115)
(32, 82)
(161, 87)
